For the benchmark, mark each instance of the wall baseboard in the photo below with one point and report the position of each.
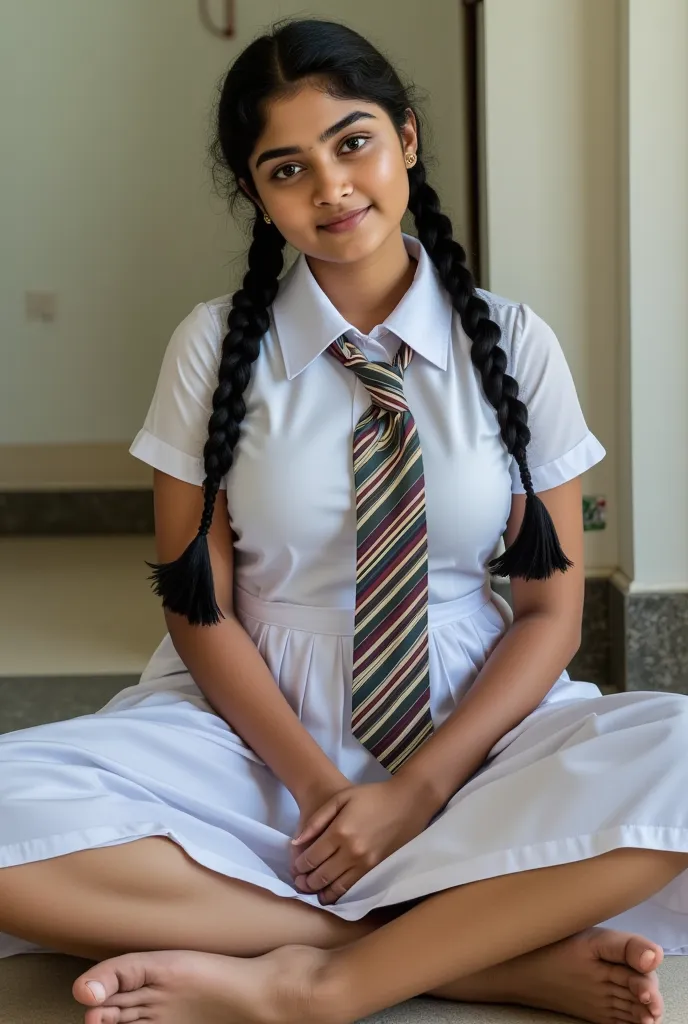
(71, 467)
(77, 513)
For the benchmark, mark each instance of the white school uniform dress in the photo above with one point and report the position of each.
(580, 776)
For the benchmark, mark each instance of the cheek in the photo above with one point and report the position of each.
(287, 206)
(294, 212)
(386, 182)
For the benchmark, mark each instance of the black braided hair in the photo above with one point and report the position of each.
(346, 66)
(535, 553)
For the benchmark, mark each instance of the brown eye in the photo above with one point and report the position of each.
(355, 138)
(284, 168)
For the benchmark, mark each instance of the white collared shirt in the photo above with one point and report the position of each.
(291, 491)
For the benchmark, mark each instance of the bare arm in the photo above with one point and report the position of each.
(522, 668)
(223, 660)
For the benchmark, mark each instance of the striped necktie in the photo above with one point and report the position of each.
(390, 686)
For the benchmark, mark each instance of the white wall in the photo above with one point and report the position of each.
(104, 197)
(551, 109)
(655, 422)
(586, 216)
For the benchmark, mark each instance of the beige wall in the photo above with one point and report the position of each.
(654, 427)
(586, 218)
(104, 198)
(551, 109)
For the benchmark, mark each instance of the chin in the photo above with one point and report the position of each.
(349, 248)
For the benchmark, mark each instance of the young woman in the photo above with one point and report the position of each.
(349, 775)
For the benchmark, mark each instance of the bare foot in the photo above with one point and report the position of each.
(179, 986)
(599, 975)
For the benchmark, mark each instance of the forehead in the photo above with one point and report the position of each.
(300, 117)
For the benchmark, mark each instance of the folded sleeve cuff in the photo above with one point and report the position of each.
(160, 455)
(586, 454)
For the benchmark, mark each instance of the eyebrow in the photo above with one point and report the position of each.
(272, 154)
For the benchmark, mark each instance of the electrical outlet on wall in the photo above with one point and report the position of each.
(41, 306)
(594, 512)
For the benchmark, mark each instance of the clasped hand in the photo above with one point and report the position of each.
(353, 831)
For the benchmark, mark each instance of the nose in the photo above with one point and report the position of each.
(330, 185)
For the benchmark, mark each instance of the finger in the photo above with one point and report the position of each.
(318, 822)
(339, 887)
(316, 855)
(332, 869)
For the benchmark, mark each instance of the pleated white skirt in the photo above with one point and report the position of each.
(582, 775)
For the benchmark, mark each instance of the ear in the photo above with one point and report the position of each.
(409, 132)
(251, 196)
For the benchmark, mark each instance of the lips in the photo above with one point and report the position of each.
(352, 221)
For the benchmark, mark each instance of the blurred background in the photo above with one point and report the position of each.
(558, 141)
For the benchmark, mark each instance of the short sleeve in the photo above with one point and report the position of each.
(561, 446)
(175, 429)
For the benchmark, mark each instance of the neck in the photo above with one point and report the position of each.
(367, 291)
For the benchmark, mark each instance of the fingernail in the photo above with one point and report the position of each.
(645, 998)
(647, 957)
(295, 842)
(97, 989)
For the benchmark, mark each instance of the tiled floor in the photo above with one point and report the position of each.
(77, 606)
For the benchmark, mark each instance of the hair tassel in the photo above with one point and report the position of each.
(186, 586)
(536, 553)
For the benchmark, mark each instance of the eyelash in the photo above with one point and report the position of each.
(292, 176)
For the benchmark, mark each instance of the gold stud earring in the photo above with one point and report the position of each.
(266, 219)
(411, 159)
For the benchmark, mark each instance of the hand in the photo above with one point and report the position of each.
(312, 800)
(353, 831)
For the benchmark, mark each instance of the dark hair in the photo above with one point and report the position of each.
(346, 66)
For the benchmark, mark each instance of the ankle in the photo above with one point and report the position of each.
(332, 991)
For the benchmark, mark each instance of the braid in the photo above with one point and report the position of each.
(536, 552)
(186, 585)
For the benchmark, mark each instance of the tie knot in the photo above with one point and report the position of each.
(383, 381)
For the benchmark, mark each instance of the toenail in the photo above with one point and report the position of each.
(97, 990)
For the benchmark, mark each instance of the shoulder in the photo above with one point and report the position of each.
(207, 319)
(524, 332)
(204, 328)
(217, 310)
(506, 313)
(197, 339)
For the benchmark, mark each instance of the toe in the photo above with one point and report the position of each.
(645, 988)
(620, 977)
(99, 983)
(127, 1000)
(111, 1015)
(137, 1013)
(626, 948)
(642, 955)
(629, 1012)
(102, 1016)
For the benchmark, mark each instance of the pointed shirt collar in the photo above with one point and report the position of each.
(307, 322)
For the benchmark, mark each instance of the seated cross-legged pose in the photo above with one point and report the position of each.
(351, 774)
